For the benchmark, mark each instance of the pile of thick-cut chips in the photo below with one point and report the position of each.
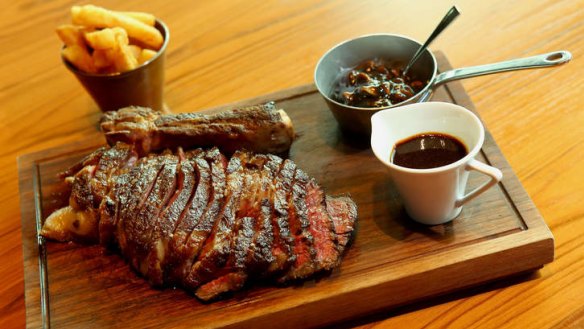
(105, 41)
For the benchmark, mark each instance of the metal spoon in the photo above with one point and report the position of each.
(448, 18)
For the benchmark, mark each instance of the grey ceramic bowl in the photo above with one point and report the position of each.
(396, 48)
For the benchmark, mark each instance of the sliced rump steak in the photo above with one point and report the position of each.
(204, 222)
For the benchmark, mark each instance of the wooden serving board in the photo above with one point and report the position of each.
(392, 261)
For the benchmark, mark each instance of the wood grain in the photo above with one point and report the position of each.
(499, 234)
(224, 51)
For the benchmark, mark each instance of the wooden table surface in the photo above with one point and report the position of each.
(224, 51)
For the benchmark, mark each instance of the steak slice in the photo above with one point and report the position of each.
(233, 276)
(90, 183)
(283, 245)
(139, 224)
(213, 289)
(179, 251)
(260, 254)
(82, 197)
(185, 252)
(343, 212)
(109, 210)
(113, 160)
(134, 191)
(202, 230)
(321, 228)
(217, 248)
(162, 234)
(253, 235)
(148, 217)
(247, 216)
(299, 226)
(111, 207)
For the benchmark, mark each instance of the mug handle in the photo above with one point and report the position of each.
(495, 174)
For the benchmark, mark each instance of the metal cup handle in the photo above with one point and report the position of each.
(539, 61)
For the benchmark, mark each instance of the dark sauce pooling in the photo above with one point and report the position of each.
(428, 150)
(375, 83)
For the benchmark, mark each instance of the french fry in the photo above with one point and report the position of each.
(97, 17)
(121, 36)
(70, 34)
(124, 60)
(102, 58)
(146, 55)
(79, 57)
(136, 52)
(123, 57)
(145, 18)
(101, 39)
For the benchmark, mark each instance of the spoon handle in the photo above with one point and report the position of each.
(448, 18)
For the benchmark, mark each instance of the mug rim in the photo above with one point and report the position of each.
(470, 155)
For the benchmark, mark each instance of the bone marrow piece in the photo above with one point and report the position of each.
(259, 128)
(203, 221)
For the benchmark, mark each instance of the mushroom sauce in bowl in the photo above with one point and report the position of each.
(375, 83)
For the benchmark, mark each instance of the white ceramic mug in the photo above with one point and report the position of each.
(436, 195)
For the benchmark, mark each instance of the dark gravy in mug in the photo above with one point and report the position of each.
(428, 150)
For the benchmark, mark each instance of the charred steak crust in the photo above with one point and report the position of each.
(210, 224)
